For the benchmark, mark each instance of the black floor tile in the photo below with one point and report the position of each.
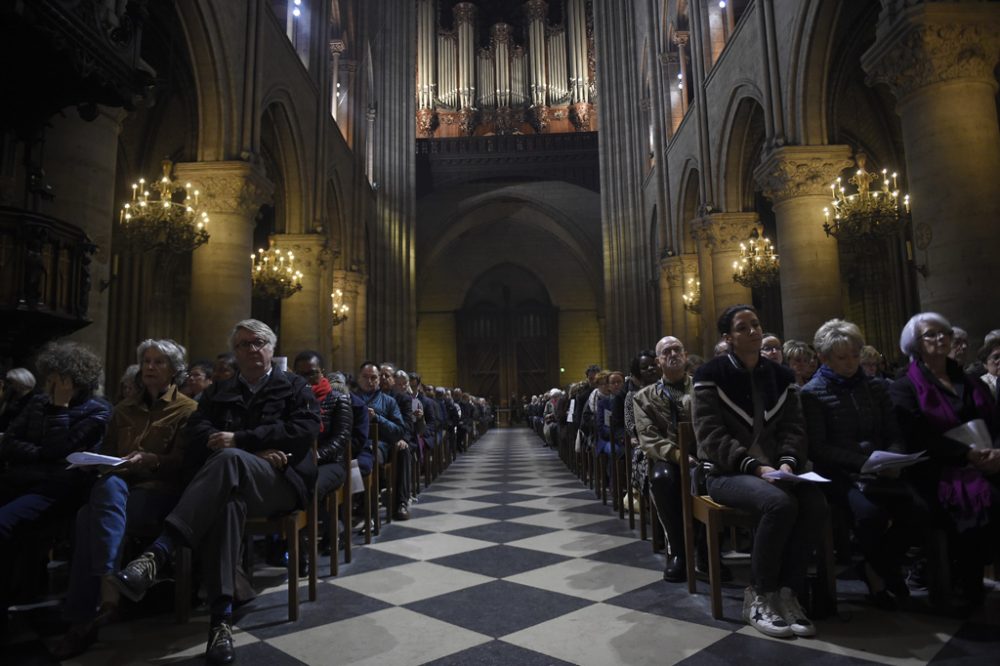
(614, 527)
(254, 653)
(503, 512)
(502, 498)
(497, 653)
(501, 532)
(498, 608)
(267, 615)
(737, 648)
(500, 561)
(364, 560)
(635, 554)
(672, 600)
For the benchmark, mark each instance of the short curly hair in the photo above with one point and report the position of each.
(71, 360)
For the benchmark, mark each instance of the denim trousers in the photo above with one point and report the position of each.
(791, 518)
(101, 524)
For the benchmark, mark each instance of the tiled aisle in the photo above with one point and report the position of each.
(509, 560)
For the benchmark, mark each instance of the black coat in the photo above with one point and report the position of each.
(338, 422)
(282, 415)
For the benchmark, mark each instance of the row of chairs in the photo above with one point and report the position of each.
(592, 469)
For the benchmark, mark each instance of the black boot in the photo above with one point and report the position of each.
(676, 569)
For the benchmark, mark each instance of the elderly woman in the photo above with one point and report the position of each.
(36, 487)
(749, 424)
(849, 416)
(801, 358)
(16, 391)
(147, 431)
(933, 397)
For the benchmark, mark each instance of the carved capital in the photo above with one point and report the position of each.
(308, 249)
(464, 12)
(681, 38)
(795, 171)
(337, 46)
(231, 187)
(723, 231)
(350, 282)
(674, 269)
(931, 42)
(536, 10)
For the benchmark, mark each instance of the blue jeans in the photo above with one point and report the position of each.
(100, 529)
(791, 517)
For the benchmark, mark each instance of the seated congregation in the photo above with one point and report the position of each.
(194, 457)
(904, 497)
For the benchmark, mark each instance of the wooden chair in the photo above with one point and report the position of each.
(342, 496)
(716, 517)
(288, 526)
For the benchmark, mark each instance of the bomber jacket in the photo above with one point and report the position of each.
(732, 403)
(282, 414)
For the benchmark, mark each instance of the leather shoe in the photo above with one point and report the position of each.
(676, 569)
(137, 577)
(401, 513)
(220, 648)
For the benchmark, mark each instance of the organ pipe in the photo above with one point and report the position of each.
(536, 11)
(426, 42)
(465, 20)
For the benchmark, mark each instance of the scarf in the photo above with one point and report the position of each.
(936, 406)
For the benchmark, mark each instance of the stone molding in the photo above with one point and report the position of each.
(931, 43)
(337, 46)
(677, 269)
(795, 171)
(724, 232)
(350, 282)
(238, 188)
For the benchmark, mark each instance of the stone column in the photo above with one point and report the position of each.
(938, 60)
(233, 192)
(349, 337)
(305, 316)
(718, 237)
(80, 161)
(797, 180)
(683, 324)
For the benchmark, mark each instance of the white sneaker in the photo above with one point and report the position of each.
(760, 612)
(790, 609)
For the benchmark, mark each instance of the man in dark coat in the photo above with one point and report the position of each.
(255, 433)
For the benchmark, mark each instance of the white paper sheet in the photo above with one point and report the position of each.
(87, 459)
(975, 433)
(880, 460)
(781, 475)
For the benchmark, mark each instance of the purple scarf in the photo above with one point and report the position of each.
(962, 491)
(935, 405)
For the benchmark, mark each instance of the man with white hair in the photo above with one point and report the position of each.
(256, 432)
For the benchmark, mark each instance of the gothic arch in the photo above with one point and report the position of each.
(739, 149)
(218, 119)
(807, 91)
(281, 145)
(688, 204)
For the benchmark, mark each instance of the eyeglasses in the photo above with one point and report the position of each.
(770, 348)
(256, 344)
(935, 335)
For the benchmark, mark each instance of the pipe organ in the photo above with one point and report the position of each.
(520, 74)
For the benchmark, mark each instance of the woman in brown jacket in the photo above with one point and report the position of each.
(147, 431)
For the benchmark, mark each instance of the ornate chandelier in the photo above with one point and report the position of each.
(758, 263)
(273, 273)
(868, 213)
(159, 218)
(692, 296)
(340, 308)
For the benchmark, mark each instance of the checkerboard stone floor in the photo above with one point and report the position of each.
(508, 559)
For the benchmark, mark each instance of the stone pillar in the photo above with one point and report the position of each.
(938, 60)
(305, 316)
(718, 237)
(80, 162)
(349, 337)
(233, 192)
(683, 324)
(797, 180)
